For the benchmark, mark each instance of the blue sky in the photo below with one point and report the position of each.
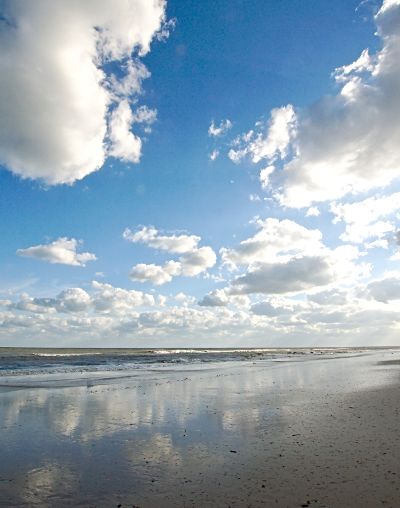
(247, 150)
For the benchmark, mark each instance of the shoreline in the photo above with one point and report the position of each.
(76, 371)
(314, 431)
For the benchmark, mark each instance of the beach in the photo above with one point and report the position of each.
(286, 431)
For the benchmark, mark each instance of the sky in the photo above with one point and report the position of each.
(199, 174)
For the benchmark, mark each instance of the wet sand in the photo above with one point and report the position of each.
(306, 432)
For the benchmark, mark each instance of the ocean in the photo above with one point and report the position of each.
(44, 361)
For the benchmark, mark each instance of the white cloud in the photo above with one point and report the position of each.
(338, 137)
(73, 300)
(344, 143)
(103, 299)
(108, 298)
(235, 156)
(193, 260)
(313, 211)
(155, 274)
(165, 31)
(285, 257)
(104, 315)
(184, 299)
(368, 210)
(272, 143)
(223, 298)
(217, 298)
(265, 176)
(149, 235)
(56, 95)
(334, 296)
(130, 85)
(219, 130)
(62, 251)
(278, 306)
(295, 275)
(362, 219)
(124, 144)
(276, 240)
(189, 264)
(199, 260)
(363, 63)
(386, 289)
(214, 155)
(145, 115)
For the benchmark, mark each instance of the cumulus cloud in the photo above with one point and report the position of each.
(217, 298)
(149, 235)
(189, 264)
(155, 274)
(102, 314)
(278, 306)
(73, 300)
(313, 211)
(193, 260)
(265, 175)
(266, 308)
(363, 219)
(297, 274)
(62, 113)
(344, 143)
(275, 240)
(62, 251)
(107, 298)
(184, 299)
(222, 298)
(103, 298)
(285, 257)
(217, 130)
(386, 289)
(124, 144)
(334, 296)
(271, 142)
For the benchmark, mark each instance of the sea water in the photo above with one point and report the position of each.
(45, 361)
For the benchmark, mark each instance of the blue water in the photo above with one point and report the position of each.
(24, 361)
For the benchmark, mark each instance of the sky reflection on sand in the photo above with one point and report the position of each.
(131, 438)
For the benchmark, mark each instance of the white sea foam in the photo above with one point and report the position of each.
(64, 355)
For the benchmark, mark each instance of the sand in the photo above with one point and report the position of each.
(320, 432)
